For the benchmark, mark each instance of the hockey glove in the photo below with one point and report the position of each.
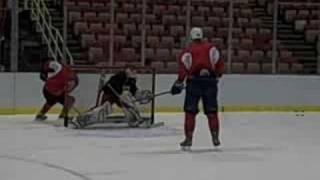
(177, 87)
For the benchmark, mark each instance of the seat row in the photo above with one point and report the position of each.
(160, 30)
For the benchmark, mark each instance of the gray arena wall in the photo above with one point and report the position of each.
(20, 93)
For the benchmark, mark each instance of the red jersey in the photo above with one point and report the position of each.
(199, 57)
(58, 79)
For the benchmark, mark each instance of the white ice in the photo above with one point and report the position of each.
(255, 146)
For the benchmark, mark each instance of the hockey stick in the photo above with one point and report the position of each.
(156, 95)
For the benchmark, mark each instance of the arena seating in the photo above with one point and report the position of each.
(166, 29)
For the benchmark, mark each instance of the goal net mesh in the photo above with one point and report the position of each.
(91, 79)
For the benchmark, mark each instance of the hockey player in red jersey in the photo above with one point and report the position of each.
(59, 79)
(201, 66)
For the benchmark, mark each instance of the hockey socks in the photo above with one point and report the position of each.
(189, 124)
(214, 125)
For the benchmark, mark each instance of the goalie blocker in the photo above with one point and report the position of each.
(132, 93)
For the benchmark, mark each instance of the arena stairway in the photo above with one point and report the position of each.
(291, 40)
(32, 49)
(72, 42)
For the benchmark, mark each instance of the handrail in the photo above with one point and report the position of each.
(52, 36)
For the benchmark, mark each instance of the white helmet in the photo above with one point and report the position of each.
(196, 33)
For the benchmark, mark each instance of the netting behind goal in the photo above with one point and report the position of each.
(87, 93)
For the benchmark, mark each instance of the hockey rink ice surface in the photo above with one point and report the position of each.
(255, 146)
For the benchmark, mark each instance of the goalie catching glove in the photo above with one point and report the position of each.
(144, 96)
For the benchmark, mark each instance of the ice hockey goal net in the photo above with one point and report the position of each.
(87, 93)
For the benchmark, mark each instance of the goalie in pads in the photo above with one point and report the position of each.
(120, 89)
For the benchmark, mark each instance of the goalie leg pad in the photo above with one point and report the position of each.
(96, 115)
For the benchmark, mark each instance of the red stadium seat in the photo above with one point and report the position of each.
(173, 9)
(255, 22)
(283, 68)
(135, 18)
(224, 22)
(90, 16)
(246, 13)
(251, 32)
(174, 54)
(213, 21)
(237, 67)
(247, 44)
(218, 11)
(243, 22)
(290, 15)
(313, 24)
(177, 31)
(150, 54)
(253, 68)
(235, 43)
(267, 68)
(128, 55)
(197, 20)
(96, 54)
(98, 4)
(130, 29)
(302, 14)
(136, 41)
(80, 27)
(224, 54)
(153, 41)
(237, 32)
(97, 28)
(157, 30)
(159, 9)
(167, 42)
(168, 19)
(208, 31)
(265, 31)
(87, 40)
(147, 28)
(119, 41)
(74, 16)
(158, 65)
(218, 42)
(204, 10)
(84, 4)
(163, 54)
(297, 68)
(184, 9)
(103, 39)
(257, 56)
(222, 32)
(103, 16)
(70, 3)
(312, 34)
(122, 18)
(172, 67)
(151, 19)
(181, 20)
(129, 8)
(243, 56)
(285, 55)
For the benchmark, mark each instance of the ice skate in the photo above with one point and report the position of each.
(215, 138)
(40, 117)
(186, 144)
